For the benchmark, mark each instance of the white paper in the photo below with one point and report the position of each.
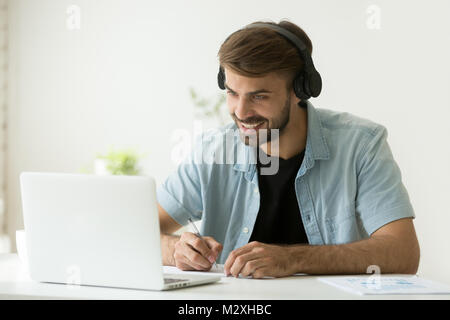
(218, 268)
(384, 284)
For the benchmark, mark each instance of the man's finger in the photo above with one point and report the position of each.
(260, 273)
(234, 254)
(251, 266)
(199, 245)
(182, 262)
(242, 260)
(215, 246)
(183, 266)
(194, 258)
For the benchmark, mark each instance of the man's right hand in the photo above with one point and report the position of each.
(194, 253)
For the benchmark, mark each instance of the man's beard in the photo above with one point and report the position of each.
(262, 136)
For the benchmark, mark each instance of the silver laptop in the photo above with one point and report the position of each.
(96, 230)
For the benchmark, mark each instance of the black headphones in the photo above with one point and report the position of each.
(308, 82)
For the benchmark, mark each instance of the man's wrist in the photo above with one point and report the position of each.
(167, 248)
(299, 255)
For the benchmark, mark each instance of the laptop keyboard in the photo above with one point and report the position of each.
(172, 280)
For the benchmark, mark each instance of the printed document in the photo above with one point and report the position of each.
(386, 284)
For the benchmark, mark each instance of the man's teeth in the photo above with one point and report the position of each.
(251, 126)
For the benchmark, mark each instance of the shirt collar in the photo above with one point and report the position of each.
(316, 147)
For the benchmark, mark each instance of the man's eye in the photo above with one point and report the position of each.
(232, 93)
(259, 97)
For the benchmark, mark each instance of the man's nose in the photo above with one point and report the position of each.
(243, 109)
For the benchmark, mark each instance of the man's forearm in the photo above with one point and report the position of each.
(354, 258)
(167, 248)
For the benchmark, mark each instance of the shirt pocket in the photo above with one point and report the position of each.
(342, 227)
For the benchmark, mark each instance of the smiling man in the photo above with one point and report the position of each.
(335, 203)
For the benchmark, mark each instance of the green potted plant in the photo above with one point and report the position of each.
(118, 162)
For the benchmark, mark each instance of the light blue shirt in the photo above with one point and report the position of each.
(347, 187)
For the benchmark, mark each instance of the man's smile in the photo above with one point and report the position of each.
(250, 128)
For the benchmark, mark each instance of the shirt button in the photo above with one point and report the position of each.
(256, 191)
(245, 230)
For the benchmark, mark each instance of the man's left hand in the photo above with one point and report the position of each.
(260, 260)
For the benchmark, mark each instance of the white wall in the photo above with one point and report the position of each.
(4, 241)
(123, 79)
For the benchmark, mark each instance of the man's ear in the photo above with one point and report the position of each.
(296, 100)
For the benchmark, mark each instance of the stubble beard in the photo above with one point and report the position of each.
(262, 136)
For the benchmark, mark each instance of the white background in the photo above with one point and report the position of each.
(122, 79)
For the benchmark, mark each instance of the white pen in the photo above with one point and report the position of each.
(197, 233)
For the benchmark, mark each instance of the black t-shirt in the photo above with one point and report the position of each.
(279, 220)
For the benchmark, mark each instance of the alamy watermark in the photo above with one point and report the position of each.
(217, 146)
(374, 281)
(373, 21)
(73, 20)
(73, 279)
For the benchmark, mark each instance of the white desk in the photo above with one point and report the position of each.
(15, 283)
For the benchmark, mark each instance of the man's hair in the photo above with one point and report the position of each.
(255, 52)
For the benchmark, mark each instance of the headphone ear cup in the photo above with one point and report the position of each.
(314, 84)
(221, 79)
(299, 87)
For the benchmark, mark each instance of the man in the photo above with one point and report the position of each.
(335, 203)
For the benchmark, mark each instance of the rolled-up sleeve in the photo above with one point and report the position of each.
(180, 193)
(381, 196)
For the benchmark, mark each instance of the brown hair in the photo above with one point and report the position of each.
(255, 52)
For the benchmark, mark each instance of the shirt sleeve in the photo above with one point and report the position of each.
(180, 193)
(381, 196)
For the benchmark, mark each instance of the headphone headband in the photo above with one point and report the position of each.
(287, 34)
